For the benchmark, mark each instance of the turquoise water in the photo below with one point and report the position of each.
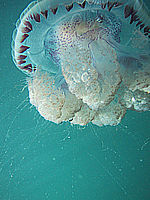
(40, 160)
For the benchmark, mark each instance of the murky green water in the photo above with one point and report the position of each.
(40, 160)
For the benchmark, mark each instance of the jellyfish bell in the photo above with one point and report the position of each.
(86, 61)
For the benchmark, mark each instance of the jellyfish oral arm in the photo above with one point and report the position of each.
(86, 61)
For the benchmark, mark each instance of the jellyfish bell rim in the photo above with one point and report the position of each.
(35, 7)
(30, 10)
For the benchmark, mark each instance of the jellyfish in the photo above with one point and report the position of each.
(85, 60)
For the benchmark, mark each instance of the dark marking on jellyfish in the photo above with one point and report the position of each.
(54, 10)
(147, 29)
(21, 57)
(45, 13)
(25, 30)
(142, 26)
(103, 6)
(69, 7)
(36, 17)
(110, 6)
(134, 18)
(28, 24)
(21, 62)
(31, 16)
(23, 49)
(34, 69)
(117, 4)
(27, 67)
(140, 22)
(23, 37)
(128, 11)
(82, 5)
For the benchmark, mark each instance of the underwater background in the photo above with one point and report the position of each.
(40, 160)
